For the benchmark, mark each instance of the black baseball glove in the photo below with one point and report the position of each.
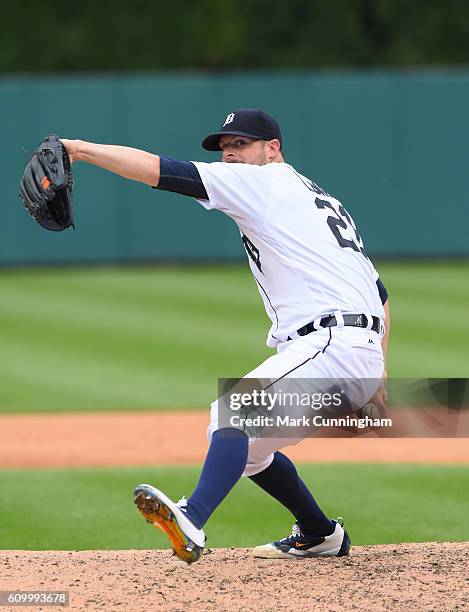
(46, 186)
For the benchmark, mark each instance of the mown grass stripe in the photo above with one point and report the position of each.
(156, 337)
(93, 509)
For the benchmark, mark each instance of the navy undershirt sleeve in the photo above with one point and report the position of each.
(383, 294)
(181, 177)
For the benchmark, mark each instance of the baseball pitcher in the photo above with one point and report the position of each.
(327, 306)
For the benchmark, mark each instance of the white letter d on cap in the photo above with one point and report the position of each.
(229, 119)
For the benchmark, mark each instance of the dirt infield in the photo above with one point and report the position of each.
(406, 577)
(172, 438)
(430, 576)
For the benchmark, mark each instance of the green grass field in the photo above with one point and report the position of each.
(160, 337)
(93, 509)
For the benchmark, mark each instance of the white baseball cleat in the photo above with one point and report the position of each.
(186, 540)
(298, 545)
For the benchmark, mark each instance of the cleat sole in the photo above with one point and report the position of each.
(161, 517)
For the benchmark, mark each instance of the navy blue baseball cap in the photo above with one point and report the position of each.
(250, 122)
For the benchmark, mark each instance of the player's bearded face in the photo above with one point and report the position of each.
(243, 150)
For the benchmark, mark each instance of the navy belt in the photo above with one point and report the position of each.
(350, 320)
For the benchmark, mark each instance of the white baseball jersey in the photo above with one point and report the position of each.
(304, 250)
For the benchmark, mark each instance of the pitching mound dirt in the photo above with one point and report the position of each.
(429, 576)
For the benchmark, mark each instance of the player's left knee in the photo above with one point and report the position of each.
(257, 465)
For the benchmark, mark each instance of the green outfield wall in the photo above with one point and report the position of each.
(391, 145)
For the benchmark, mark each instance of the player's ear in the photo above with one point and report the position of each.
(273, 147)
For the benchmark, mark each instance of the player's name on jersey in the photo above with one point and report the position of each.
(308, 421)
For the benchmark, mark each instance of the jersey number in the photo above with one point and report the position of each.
(252, 251)
(342, 219)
